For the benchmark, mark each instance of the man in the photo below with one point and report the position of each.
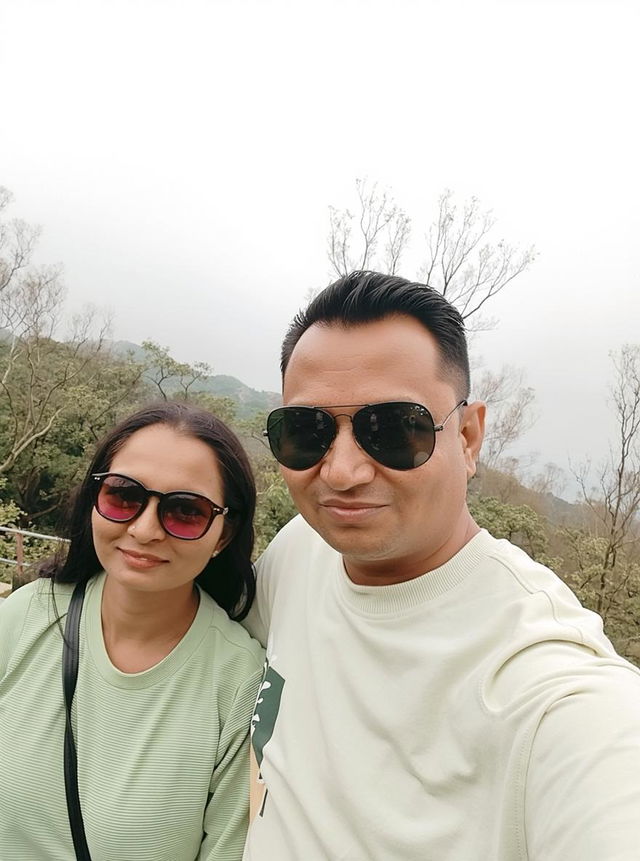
(430, 692)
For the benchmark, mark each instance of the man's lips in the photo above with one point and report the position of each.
(349, 503)
(351, 509)
(141, 560)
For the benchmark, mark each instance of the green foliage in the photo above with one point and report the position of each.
(168, 377)
(275, 507)
(33, 549)
(223, 408)
(517, 523)
(9, 516)
(85, 408)
(613, 593)
(253, 426)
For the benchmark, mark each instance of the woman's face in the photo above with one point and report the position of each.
(139, 554)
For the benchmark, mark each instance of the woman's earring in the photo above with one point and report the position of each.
(214, 554)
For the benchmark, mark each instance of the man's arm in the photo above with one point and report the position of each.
(582, 799)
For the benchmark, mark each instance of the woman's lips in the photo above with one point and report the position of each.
(141, 561)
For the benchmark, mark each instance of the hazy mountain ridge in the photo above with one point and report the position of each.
(249, 401)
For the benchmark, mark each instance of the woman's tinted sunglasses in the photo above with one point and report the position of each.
(182, 514)
(398, 434)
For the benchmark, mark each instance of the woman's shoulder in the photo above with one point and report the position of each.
(233, 642)
(37, 598)
(20, 600)
(28, 609)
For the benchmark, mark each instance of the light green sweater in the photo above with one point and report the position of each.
(162, 754)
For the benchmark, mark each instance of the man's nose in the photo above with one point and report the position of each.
(346, 465)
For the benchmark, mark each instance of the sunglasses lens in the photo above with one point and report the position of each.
(397, 435)
(299, 437)
(119, 498)
(185, 515)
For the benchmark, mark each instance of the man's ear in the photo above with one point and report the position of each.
(472, 434)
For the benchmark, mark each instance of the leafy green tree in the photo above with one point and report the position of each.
(222, 407)
(43, 474)
(519, 524)
(619, 605)
(173, 380)
(275, 507)
(31, 551)
(47, 383)
(170, 378)
(9, 516)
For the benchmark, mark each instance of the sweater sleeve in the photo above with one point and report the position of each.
(582, 788)
(13, 614)
(226, 817)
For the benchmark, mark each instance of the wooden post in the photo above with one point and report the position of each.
(18, 578)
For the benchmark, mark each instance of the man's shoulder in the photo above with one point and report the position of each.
(526, 575)
(281, 570)
(551, 635)
(294, 541)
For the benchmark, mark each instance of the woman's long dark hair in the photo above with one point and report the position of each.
(229, 578)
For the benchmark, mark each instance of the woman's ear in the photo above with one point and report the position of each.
(472, 434)
(228, 531)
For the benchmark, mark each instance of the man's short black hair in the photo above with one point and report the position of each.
(365, 297)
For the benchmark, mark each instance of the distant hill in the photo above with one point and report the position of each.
(507, 488)
(127, 348)
(248, 401)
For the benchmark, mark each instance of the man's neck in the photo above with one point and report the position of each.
(387, 572)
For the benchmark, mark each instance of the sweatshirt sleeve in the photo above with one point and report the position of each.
(226, 817)
(583, 784)
(258, 619)
(273, 568)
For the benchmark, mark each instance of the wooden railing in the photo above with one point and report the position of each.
(22, 565)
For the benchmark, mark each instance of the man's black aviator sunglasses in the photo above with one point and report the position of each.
(397, 434)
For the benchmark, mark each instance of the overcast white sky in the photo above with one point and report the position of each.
(181, 157)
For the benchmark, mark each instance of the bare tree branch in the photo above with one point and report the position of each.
(510, 413)
(615, 505)
(461, 265)
(377, 216)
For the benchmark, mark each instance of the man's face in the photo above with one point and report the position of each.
(389, 525)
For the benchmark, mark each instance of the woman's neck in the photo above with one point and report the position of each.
(142, 628)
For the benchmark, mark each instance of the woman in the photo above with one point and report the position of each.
(161, 530)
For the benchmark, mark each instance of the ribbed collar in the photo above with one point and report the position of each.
(402, 597)
(92, 625)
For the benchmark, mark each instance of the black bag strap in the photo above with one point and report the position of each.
(70, 655)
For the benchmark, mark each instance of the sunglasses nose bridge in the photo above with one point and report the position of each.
(345, 464)
(337, 426)
(147, 520)
(355, 433)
